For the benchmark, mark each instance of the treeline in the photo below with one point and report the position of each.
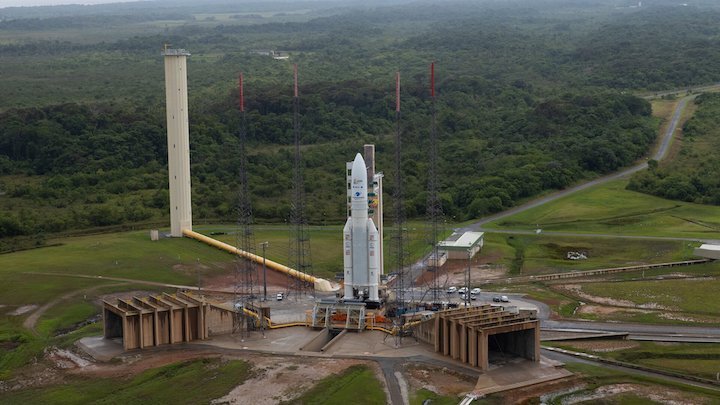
(694, 174)
(98, 165)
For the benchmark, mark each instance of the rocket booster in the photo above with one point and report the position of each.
(360, 240)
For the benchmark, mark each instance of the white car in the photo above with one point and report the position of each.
(462, 290)
(280, 296)
(451, 290)
(475, 291)
(504, 298)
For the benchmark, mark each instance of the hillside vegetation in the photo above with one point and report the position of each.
(532, 97)
(693, 175)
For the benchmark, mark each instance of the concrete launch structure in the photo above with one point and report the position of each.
(178, 140)
(361, 241)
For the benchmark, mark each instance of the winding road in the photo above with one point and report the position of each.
(662, 150)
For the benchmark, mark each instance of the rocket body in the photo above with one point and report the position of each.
(361, 244)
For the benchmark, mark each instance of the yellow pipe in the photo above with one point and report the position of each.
(320, 284)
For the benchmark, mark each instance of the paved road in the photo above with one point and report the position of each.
(641, 331)
(597, 235)
(661, 152)
(571, 359)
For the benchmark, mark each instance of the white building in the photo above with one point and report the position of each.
(460, 245)
(708, 251)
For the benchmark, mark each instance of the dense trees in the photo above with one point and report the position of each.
(693, 175)
(105, 166)
(529, 100)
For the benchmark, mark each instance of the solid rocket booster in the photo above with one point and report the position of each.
(361, 240)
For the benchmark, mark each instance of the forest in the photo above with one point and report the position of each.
(532, 96)
(692, 175)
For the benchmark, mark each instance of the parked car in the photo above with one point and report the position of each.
(496, 299)
(473, 297)
(475, 291)
(504, 298)
(462, 290)
(451, 290)
(280, 296)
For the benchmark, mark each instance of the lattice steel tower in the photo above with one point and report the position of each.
(434, 208)
(245, 270)
(400, 233)
(300, 258)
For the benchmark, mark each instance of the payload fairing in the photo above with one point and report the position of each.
(361, 241)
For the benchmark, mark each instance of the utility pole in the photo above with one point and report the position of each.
(467, 279)
(264, 246)
(197, 271)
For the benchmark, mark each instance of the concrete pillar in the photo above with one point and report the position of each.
(463, 344)
(178, 137)
(201, 322)
(446, 337)
(125, 340)
(473, 347)
(156, 336)
(186, 323)
(438, 334)
(170, 322)
(483, 360)
(140, 330)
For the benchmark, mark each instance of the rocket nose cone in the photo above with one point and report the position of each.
(359, 183)
(358, 163)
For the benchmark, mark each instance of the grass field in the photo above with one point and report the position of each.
(596, 377)
(356, 385)
(548, 253)
(698, 359)
(422, 396)
(325, 244)
(694, 296)
(128, 255)
(610, 209)
(191, 382)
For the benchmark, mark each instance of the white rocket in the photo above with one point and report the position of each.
(361, 240)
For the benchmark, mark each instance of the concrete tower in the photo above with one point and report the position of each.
(178, 140)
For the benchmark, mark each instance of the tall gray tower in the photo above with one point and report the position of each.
(178, 137)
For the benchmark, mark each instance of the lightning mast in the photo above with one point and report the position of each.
(245, 272)
(400, 236)
(434, 208)
(300, 237)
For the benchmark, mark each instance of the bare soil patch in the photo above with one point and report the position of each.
(280, 379)
(601, 310)
(576, 290)
(276, 281)
(22, 310)
(655, 393)
(441, 381)
(453, 273)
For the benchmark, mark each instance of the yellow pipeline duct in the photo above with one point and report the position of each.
(320, 284)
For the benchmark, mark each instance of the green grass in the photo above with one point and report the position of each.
(191, 382)
(325, 244)
(694, 296)
(356, 385)
(127, 255)
(19, 346)
(610, 209)
(526, 255)
(423, 395)
(596, 377)
(698, 359)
